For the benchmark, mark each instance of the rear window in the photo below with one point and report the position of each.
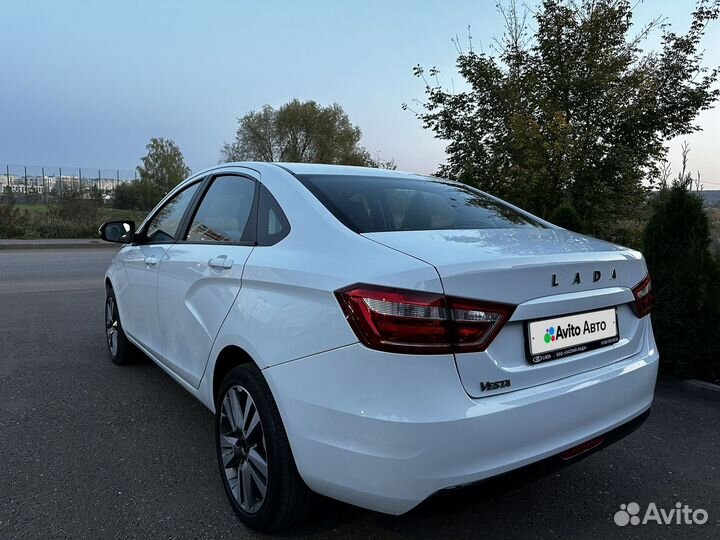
(379, 204)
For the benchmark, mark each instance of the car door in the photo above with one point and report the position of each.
(200, 275)
(138, 298)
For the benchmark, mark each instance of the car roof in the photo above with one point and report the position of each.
(340, 170)
(312, 169)
(325, 169)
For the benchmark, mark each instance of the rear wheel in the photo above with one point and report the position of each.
(256, 465)
(121, 351)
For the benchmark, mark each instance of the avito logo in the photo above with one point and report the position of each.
(550, 334)
(682, 514)
(571, 330)
(557, 333)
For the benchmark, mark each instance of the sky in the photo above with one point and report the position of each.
(88, 83)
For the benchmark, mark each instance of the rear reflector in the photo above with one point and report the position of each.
(418, 322)
(643, 297)
(582, 448)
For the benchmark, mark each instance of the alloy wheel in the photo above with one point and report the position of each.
(111, 325)
(243, 450)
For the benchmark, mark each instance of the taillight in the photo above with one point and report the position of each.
(419, 322)
(643, 297)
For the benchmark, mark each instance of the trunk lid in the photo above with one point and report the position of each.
(546, 273)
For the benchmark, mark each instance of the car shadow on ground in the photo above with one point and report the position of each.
(330, 515)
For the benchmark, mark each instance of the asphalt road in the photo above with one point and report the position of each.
(92, 450)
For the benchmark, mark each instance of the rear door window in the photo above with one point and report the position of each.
(224, 214)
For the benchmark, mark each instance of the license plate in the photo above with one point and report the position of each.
(560, 337)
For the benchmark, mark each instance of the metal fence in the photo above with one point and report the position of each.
(43, 184)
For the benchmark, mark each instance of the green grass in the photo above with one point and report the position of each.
(34, 208)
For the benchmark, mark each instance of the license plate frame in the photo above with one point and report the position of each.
(542, 354)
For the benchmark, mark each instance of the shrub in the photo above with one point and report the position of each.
(625, 232)
(46, 226)
(75, 210)
(686, 277)
(7, 195)
(13, 220)
(137, 195)
(75, 215)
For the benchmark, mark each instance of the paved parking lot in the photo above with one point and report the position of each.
(92, 450)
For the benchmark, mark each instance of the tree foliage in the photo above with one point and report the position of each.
(686, 282)
(567, 217)
(573, 111)
(163, 167)
(299, 131)
(137, 195)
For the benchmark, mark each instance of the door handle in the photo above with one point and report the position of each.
(151, 261)
(220, 263)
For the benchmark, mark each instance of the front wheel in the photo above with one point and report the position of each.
(256, 465)
(121, 351)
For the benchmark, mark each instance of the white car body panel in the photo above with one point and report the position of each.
(193, 301)
(517, 267)
(362, 441)
(386, 430)
(135, 284)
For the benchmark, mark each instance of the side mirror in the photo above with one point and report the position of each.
(120, 231)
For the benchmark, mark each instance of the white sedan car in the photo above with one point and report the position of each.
(378, 336)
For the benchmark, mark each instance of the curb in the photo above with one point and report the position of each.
(69, 244)
(702, 389)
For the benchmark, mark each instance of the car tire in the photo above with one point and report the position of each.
(121, 351)
(248, 433)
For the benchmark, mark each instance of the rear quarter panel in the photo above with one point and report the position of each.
(287, 309)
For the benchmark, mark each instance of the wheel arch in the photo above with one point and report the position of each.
(229, 357)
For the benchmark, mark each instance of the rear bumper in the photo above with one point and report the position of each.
(386, 431)
(517, 478)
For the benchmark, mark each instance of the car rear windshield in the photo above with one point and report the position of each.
(384, 203)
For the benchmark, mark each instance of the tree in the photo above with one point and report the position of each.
(686, 281)
(567, 217)
(164, 166)
(304, 132)
(574, 111)
(137, 195)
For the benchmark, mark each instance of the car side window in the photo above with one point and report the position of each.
(163, 226)
(273, 226)
(224, 214)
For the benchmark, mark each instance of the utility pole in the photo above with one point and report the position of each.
(26, 186)
(43, 186)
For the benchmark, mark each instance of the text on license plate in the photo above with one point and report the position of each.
(559, 337)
